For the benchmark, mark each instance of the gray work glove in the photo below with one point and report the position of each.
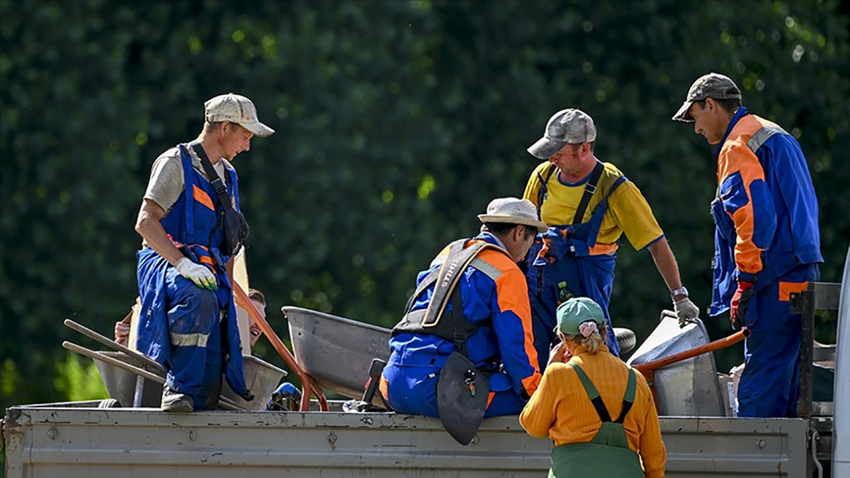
(200, 275)
(686, 310)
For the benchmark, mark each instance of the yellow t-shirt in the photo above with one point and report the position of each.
(627, 211)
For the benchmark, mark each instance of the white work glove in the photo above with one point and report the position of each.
(686, 310)
(200, 275)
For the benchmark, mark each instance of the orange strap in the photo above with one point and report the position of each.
(788, 288)
(604, 249)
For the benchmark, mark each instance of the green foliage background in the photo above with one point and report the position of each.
(396, 121)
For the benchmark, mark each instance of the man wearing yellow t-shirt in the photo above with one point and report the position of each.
(587, 205)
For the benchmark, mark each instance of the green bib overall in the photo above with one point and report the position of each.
(608, 454)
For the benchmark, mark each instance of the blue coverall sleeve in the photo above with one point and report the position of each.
(748, 202)
(512, 324)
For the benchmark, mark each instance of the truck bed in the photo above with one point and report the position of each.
(72, 441)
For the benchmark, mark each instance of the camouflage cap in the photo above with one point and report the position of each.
(235, 109)
(712, 85)
(569, 126)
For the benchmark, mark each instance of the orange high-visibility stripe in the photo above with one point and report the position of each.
(736, 156)
(512, 292)
(202, 197)
(382, 387)
(532, 382)
(788, 288)
(209, 261)
(603, 249)
(490, 399)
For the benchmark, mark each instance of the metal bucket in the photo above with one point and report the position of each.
(121, 384)
(688, 388)
(336, 351)
(262, 379)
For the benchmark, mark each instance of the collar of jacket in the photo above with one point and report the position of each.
(742, 111)
(580, 350)
(489, 238)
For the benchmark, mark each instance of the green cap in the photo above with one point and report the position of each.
(574, 312)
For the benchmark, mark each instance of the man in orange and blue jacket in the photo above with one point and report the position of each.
(767, 243)
(495, 306)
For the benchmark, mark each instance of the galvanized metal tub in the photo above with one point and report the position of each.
(688, 388)
(262, 379)
(121, 384)
(336, 351)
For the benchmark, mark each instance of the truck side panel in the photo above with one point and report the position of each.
(85, 443)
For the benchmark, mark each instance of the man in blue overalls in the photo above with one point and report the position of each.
(587, 205)
(767, 242)
(188, 320)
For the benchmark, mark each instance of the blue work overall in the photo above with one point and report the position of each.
(559, 265)
(770, 385)
(784, 227)
(180, 322)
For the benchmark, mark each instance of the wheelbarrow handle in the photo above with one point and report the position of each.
(113, 361)
(114, 345)
(647, 368)
(223, 402)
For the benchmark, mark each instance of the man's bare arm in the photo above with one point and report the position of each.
(230, 268)
(665, 261)
(149, 227)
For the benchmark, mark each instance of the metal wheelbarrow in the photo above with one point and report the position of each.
(134, 380)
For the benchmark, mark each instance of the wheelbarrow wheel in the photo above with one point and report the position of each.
(109, 403)
(625, 339)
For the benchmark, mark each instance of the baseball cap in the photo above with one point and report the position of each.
(513, 211)
(569, 126)
(235, 109)
(712, 85)
(576, 311)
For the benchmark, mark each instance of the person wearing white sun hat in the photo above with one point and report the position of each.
(480, 362)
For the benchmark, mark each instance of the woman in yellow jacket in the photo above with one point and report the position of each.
(596, 409)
